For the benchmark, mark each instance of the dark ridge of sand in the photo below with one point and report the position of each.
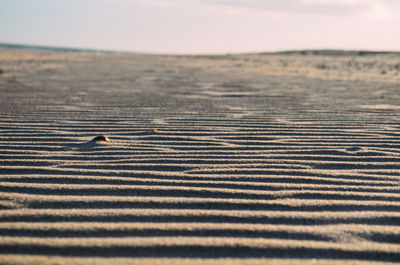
(339, 52)
(235, 159)
(44, 48)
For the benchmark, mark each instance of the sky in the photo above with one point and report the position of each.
(203, 26)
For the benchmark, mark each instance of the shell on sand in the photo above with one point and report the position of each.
(100, 138)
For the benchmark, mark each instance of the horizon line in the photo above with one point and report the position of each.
(310, 51)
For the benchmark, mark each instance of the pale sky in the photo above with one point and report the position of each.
(203, 26)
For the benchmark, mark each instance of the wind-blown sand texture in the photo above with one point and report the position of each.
(235, 159)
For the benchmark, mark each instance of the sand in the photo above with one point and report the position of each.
(233, 159)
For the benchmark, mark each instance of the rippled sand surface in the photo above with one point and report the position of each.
(234, 159)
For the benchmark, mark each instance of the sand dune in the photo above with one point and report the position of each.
(235, 159)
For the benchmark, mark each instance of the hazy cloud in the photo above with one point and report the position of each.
(324, 7)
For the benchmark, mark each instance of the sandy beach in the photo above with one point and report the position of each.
(232, 159)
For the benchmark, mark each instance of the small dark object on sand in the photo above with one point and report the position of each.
(354, 149)
(151, 131)
(100, 138)
(1, 71)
